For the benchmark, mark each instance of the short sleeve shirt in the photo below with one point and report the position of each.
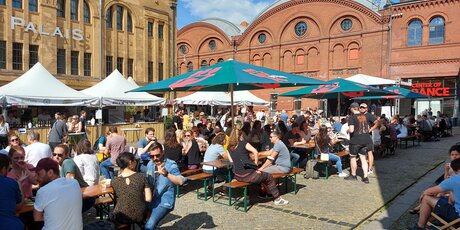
(283, 158)
(10, 195)
(178, 120)
(453, 184)
(213, 153)
(116, 145)
(69, 166)
(360, 135)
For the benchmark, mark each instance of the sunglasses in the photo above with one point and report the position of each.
(187, 135)
(15, 139)
(58, 154)
(154, 156)
(272, 136)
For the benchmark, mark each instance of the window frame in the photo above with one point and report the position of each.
(298, 32)
(439, 31)
(18, 56)
(150, 71)
(87, 58)
(86, 13)
(33, 5)
(416, 31)
(119, 10)
(2, 54)
(160, 71)
(108, 68)
(74, 10)
(130, 67)
(61, 61)
(33, 55)
(161, 31)
(16, 4)
(129, 23)
(149, 29)
(109, 18)
(60, 8)
(74, 56)
(120, 64)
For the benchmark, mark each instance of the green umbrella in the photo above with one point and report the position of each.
(337, 88)
(229, 76)
(403, 93)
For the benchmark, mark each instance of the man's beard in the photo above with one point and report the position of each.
(45, 182)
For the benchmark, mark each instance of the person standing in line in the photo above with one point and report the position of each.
(4, 130)
(10, 197)
(115, 146)
(373, 123)
(58, 131)
(360, 142)
(163, 175)
(59, 197)
(36, 150)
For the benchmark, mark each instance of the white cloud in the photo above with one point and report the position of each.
(234, 11)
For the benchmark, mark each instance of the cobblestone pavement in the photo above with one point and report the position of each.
(319, 204)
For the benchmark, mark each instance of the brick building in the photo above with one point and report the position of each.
(326, 39)
(65, 36)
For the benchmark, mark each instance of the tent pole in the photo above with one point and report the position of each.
(231, 105)
(338, 105)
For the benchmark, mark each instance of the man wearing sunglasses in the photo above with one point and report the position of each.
(163, 175)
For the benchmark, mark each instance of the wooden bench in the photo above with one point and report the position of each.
(205, 177)
(412, 138)
(235, 185)
(339, 154)
(102, 205)
(185, 174)
(292, 175)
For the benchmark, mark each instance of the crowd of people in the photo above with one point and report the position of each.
(258, 145)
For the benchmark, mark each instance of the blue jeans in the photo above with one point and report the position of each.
(338, 161)
(104, 167)
(294, 159)
(157, 214)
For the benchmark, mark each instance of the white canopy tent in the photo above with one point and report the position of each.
(112, 92)
(370, 80)
(221, 98)
(37, 87)
(131, 80)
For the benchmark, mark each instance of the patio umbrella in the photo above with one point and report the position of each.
(403, 93)
(337, 88)
(229, 76)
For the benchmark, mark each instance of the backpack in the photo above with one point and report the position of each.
(310, 171)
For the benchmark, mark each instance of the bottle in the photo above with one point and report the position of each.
(29, 125)
(93, 121)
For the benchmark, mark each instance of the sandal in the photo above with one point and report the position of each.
(414, 211)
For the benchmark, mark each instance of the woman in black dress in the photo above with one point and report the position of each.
(173, 148)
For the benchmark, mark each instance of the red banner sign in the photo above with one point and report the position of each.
(432, 89)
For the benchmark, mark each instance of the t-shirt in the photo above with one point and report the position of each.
(140, 145)
(453, 184)
(36, 151)
(240, 156)
(284, 117)
(178, 120)
(360, 135)
(83, 124)
(213, 153)
(69, 166)
(89, 167)
(116, 145)
(57, 132)
(174, 154)
(283, 158)
(10, 195)
(61, 202)
(4, 129)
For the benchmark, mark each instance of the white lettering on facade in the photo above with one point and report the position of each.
(75, 34)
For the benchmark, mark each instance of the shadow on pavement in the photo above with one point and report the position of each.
(191, 221)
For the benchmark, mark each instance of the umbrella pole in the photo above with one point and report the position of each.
(231, 106)
(338, 105)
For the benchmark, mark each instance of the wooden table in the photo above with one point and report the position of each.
(96, 191)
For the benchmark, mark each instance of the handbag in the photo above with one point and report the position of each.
(322, 156)
(249, 165)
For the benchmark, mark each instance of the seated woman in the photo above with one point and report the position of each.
(132, 192)
(324, 142)
(14, 142)
(173, 148)
(216, 151)
(238, 148)
(192, 150)
(401, 129)
(20, 171)
(87, 162)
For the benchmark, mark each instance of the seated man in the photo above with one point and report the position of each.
(143, 145)
(291, 139)
(440, 206)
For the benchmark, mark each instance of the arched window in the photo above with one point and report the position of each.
(437, 30)
(119, 18)
(17, 4)
(129, 24)
(190, 67)
(204, 63)
(60, 8)
(74, 9)
(108, 18)
(220, 60)
(86, 13)
(414, 33)
(300, 28)
(33, 5)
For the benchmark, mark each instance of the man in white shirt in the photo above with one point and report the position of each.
(59, 200)
(36, 150)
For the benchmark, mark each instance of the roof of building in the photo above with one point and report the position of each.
(231, 29)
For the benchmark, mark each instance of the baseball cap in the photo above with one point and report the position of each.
(354, 105)
(46, 164)
(363, 105)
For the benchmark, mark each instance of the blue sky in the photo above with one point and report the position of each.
(236, 11)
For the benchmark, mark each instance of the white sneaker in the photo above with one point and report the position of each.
(342, 174)
(370, 171)
(281, 201)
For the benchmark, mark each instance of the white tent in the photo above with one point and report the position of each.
(131, 80)
(112, 92)
(221, 98)
(370, 80)
(37, 87)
